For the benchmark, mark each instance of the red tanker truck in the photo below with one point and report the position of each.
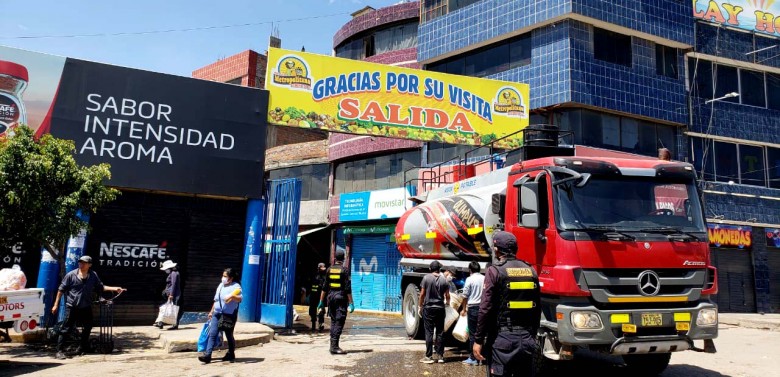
(620, 246)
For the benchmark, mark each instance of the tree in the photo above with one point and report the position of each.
(42, 189)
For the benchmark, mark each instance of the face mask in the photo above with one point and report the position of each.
(224, 280)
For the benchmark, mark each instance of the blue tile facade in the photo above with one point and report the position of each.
(489, 19)
(635, 90)
(563, 70)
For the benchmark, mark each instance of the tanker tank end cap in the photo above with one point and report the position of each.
(505, 240)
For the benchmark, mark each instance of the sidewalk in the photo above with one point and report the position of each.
(769, 322)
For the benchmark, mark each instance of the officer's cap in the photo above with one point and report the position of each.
(340, 253)
(505, 241)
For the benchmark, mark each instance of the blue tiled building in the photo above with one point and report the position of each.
(636, 76)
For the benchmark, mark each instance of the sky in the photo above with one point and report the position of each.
(179, 52)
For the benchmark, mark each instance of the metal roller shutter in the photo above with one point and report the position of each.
(773, 259)
(369, 255)
(736, 291)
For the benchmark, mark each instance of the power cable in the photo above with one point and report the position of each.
(171, 30)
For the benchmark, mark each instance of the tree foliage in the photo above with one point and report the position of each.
(42, 189)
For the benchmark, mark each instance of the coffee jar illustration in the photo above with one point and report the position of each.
(13, 81)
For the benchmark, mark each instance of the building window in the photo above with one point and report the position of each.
(608, 131)
(380, 41)
(752, 88)
(612, 47)
(442, 152)
(701, 157)
(666, 61)
(432, 9)
(375, 173)
(314, 179)
(726, 166)
(751, 165)
(457, 4)
(489, 60)
(773, 88)
(755, 88)
(773, 163)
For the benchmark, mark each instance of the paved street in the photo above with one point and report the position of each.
(377, 348)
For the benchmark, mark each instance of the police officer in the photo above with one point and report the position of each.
(509, 311)
(338, 288)
(317, 283)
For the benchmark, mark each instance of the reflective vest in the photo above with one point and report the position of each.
(519, 293)
(317, 284)
(335, 278)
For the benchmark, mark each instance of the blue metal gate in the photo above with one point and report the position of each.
(284, 202)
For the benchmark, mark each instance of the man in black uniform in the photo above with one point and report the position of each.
(317, 283)
(510, 310)
(338, 288)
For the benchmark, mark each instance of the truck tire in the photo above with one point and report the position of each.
(647, 364)
(412, 321)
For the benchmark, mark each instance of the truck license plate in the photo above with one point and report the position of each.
(651, 319)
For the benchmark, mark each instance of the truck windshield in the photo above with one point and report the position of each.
(630, 203)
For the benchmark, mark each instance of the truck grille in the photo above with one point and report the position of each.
(657, 285)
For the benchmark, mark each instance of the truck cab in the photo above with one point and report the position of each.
(620, 246)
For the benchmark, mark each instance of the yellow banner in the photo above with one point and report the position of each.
(349, 96)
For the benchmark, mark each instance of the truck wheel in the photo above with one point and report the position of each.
(647, 364)
(412, 321)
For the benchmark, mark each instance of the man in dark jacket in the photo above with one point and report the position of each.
(509, 313)
(78, 287)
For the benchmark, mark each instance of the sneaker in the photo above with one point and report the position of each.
(427, 360)
(471, 362)
(440, 359)
(60, 356)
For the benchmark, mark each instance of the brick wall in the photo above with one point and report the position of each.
(345, 145)
(376, 18)
(280, 135)
(392, 57)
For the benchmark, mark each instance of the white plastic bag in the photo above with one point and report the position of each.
(461, 330)
(450, 317)
(12, 279)
(168, 313)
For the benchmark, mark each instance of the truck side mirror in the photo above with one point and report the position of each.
(529, 204)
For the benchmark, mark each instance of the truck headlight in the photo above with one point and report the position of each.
(586, 321)
(707, 317)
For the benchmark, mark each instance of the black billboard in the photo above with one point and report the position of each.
(159, 132)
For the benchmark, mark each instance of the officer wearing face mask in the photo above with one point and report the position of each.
(317, 283)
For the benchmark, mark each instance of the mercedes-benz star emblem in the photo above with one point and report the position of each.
(649, 283)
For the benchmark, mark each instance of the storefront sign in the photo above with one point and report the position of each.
(374, 205)
(158, 131)
(376, 229)
(730, 236)
(342, 95)
(754, 15)
(773, 238)
(139, 255)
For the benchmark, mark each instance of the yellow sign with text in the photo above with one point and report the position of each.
(348, 96)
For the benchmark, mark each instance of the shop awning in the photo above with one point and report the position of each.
(310, 231)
